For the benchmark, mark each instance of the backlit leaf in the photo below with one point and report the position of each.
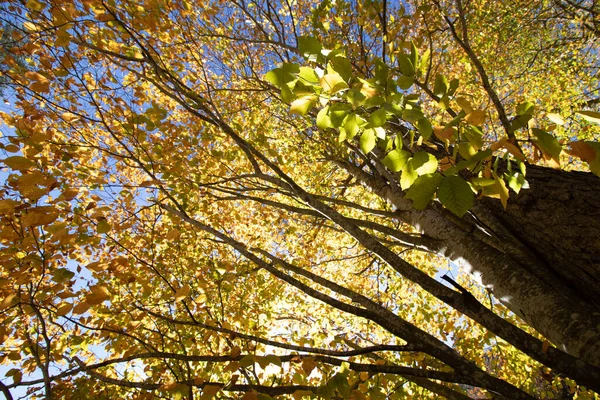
(455, 194)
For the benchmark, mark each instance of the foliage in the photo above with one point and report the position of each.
(256, 199)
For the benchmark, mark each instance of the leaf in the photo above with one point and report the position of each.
(60, 275)
(210, 391)
(409, 175)
(173, 234)
(556, 118)
(583, 150)
(476, 117)
(310, 47)
(64, 309)
(591, 116)
(99, 294)
(396, 159)
(423, 190)
(405, 82)
(308, 75)
(351, 125)
(406, 66)
(342, 66)
(549, 146)
(308, 364)
(378, 118)
(182, 292)
(251, 395)
(455, 194)
(40, 216)
(464, 104)
(323, 120)
(103, 227)
(81, 308)
(424, 163)
(440, 86)
(303, 104)
(333, 83)
(525, 108)
(368, 140)
(18, 163)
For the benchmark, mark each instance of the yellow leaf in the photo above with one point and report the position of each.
(182, 292)
(8, 206)
(557, 119)
(18, 162)
(81, 308)
(173, 234)
(476, 117)
(464, 104)
(69, 117)
(98, 295)
(364, 376)
(39, 216)
(21, 255)
(64, 309)
(7, 301)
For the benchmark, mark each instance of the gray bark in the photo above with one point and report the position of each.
(514, 252)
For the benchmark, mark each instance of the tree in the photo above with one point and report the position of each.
(254, 199)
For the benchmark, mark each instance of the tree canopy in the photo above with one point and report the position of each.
(263, 199)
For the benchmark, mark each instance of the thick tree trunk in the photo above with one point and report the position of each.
(558, 220)
(493, 244)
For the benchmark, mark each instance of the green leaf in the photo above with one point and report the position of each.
(525, 108)
(412, 114)
(382, 72)
(425, 128)
(309, 47)
(405, 82)
(424, 163)
(338, 113)
(342, 66)
(323, 120)
(351, 125)
(396, 159)
(516, 181)
(548, 144)
(308, 75)
(302, 105)
(368, 140)
(409, 175)
(591, 116)
(440, 86)
(103, 227)
(282, 75)
(455, 194)
(406, 66)
(423, 189)
(378, 118)
(414, 54)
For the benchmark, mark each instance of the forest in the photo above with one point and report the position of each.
(290, 199)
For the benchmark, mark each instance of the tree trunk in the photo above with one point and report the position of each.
(513, 252)
(558, 220)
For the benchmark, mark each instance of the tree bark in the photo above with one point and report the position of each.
(516, 269)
